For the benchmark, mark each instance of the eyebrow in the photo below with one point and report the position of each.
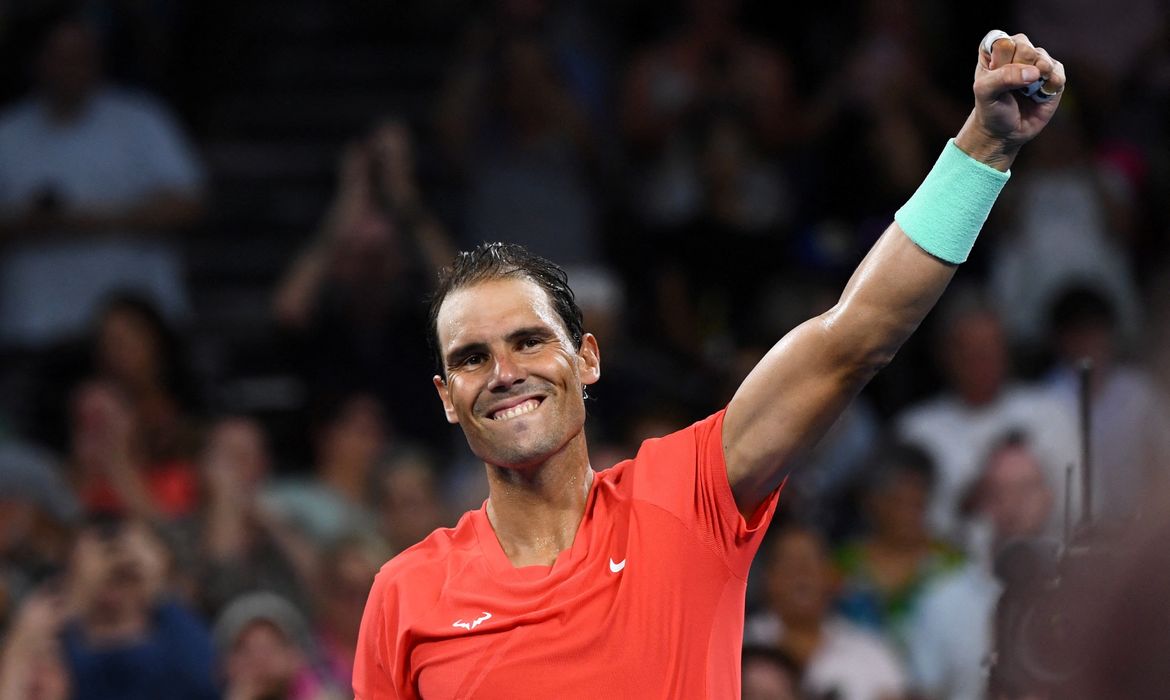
(459, 353)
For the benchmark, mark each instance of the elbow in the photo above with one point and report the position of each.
(864, 346)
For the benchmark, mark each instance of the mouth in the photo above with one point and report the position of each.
(515, 410)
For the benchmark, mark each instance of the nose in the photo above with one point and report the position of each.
(508, 373)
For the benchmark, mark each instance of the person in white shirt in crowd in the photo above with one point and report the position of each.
(980, 404)
(838, 659)
(92, 178)
(949, 638)
(1129, 415)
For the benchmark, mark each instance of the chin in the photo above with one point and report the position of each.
(520, 454)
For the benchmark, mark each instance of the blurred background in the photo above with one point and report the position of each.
(219, 222)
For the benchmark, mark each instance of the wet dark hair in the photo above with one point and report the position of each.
(492, 261)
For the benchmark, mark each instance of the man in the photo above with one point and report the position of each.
(91, 179)
(266, 651)
(126, 636)
(949, 637)
(630, 582)
(981, 403)
(837, 658)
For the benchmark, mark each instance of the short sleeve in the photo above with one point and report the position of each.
(686, 474)
(373, 666)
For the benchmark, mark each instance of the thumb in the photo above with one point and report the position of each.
(994, 83)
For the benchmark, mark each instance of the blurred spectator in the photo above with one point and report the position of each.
(980, 404)
(710, 62)
(885, 571)
(137, 349)
(508, 121)
(836, 656)
(89, 179)
(878, 117)
(356, 292)
(126, 638)
(950, 635)
(31, 664)
(350, 438)
(1130, 416)
(111, 464)
(266, 651)
(411, 505)
(1103, 46)
(769, 674)
(1068, 219)
(705, 115)
(37, 510)
(346, 574)
(243, 546)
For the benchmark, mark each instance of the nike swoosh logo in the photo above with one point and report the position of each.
(616, 566)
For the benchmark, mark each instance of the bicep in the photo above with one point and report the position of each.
(796, 392)
(787, 402)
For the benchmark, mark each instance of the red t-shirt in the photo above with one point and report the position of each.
(647, 603)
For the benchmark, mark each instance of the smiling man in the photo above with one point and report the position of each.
(630, 582)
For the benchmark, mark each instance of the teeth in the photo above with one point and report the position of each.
(527, 407)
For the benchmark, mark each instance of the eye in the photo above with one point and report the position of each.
(472, 360)
(530, 342)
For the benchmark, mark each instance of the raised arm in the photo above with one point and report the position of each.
(804, 382)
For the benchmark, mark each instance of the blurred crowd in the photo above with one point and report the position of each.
(709, 172)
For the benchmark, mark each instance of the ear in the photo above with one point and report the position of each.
(445, 397)
(589, 360)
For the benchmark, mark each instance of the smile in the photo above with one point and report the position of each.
(518, 410)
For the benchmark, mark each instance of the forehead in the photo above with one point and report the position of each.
(491, 309)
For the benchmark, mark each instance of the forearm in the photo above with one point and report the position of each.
(159, 213)
(295, 297)
(799, 389)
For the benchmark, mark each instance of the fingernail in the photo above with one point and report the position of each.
(1030, 74)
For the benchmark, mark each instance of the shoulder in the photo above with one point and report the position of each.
(940, 409)
(176, 623)
(131, 104)
(1028, 397)
(851, 641)
(425, 566)
(684, 441)
(18, 117)
(958, 590)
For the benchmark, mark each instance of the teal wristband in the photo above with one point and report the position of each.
(945, 214)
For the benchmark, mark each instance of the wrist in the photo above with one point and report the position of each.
(993, 152)
(946, 213)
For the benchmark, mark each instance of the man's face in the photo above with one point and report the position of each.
(800, 578)
(70, 63)
(514, 381)
(976, 358)
(263, 661)
(1019, 500)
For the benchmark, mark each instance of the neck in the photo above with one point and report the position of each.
(535, 512)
